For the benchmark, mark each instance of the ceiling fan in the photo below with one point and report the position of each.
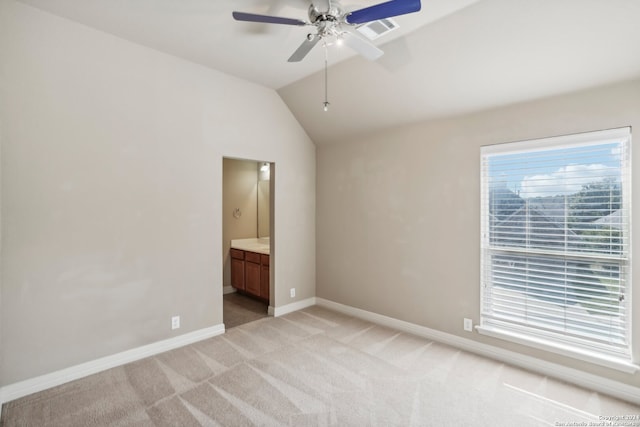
(330, 20)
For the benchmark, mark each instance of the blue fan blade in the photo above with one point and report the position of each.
(383, 10)
(252, 17)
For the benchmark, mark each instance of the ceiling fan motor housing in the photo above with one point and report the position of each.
(332, 14)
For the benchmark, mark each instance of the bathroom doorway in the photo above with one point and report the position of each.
(247, 223)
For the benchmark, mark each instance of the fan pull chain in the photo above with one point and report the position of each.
(326, 79)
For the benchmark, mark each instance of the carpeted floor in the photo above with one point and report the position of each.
(314, 367)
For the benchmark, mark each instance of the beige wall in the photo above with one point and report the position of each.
(112, 191)
(264, 207)
(239, 191)
(398, 219)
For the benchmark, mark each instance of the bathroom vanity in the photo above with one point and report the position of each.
(250, 267)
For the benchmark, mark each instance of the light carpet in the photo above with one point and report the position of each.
(314, 367)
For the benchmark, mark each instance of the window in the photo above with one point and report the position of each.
(556, 244)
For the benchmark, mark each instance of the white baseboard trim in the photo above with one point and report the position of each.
(574, 376)
(289, 308)
(43, 382)
(228, 290)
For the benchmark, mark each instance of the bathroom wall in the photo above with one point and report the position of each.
(239, 204)
(264, 202)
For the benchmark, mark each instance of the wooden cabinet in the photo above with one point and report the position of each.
(237, 269)
(250, 273)
(264, 277)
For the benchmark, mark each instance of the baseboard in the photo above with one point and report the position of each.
(289, 308)
(228, 290)
(43, 382)
(574, 376)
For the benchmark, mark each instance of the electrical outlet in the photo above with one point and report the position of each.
(468, 325)
(292, 292)
(175, 322)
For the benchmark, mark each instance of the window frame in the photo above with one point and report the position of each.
(527, 335)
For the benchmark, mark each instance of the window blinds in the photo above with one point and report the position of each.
(555, 241)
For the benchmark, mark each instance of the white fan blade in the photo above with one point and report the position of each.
(303, 49)
(363, 47)
(322, 6)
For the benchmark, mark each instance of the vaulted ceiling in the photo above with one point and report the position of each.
(452, 57)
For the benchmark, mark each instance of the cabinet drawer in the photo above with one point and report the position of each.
(237, 253)
(264, 259)
(252, 257)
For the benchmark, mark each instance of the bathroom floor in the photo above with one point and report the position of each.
(240, 309)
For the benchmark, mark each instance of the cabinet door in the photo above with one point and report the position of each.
(252, 278)
(264, 282)
(237, 273)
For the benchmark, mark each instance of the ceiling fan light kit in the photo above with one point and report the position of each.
(333, 23)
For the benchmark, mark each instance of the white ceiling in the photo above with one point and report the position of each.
(203, 31)
(453, 57)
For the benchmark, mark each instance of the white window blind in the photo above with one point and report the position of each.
(555, 242)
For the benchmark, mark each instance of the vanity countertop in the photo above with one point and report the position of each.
(260, 245)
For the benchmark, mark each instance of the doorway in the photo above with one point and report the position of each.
(247, 223)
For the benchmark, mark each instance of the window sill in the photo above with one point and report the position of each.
(576, 353)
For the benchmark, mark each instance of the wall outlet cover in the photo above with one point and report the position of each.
(468, 325)
(175, 322)
(292, 292)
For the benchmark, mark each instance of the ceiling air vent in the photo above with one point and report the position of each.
(374, 29)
